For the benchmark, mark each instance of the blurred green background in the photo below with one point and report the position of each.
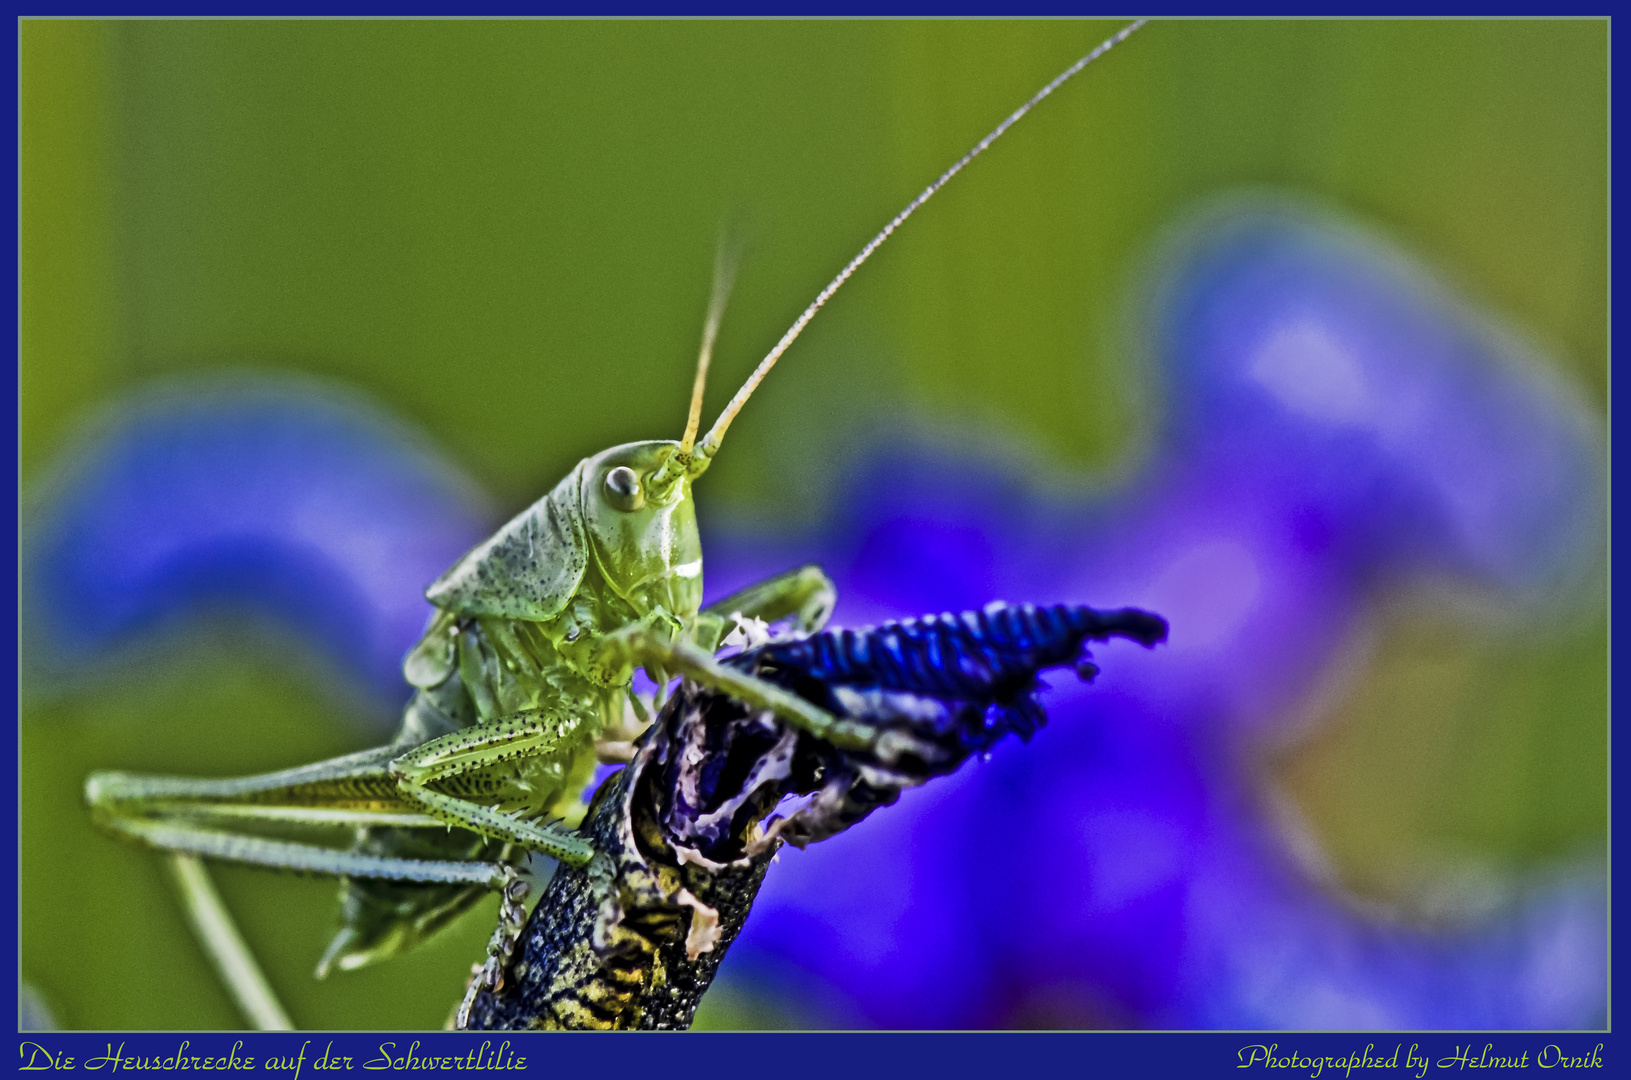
(505, 231)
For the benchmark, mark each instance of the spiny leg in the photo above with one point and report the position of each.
(236, 965)
(207, 817)
(352, 780)
(350, 791)
(807, 593)
(469, 752)
(185, 838)
(682, 658)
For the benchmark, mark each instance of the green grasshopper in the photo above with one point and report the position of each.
(523, 680)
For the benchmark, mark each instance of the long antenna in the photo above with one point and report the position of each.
(710, 443)
(725, 260)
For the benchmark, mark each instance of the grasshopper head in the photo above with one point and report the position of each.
(642, 526)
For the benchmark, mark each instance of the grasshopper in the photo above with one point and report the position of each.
(523, 680)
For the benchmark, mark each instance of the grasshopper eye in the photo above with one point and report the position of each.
(623, 489)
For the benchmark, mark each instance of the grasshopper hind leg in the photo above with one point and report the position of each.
(443, 776)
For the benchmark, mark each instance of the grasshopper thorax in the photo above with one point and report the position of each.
(618, 512)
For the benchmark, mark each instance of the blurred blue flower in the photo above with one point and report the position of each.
(1334, 425)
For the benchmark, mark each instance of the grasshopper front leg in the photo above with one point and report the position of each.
(807, 593)
(641, 646)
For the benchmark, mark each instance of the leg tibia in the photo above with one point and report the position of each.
(701, 668)
(308, 858)
(553, 840)
(806, 592)
(496, 746)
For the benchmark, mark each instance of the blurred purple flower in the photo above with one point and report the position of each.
(1334, 425)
